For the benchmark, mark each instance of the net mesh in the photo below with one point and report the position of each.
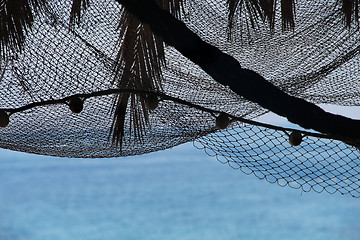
(318, 61)
(316, 164)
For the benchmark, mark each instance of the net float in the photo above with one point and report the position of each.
(295, 138)
(4, 118)
(222, 121)
(76, 105)
(151, 102)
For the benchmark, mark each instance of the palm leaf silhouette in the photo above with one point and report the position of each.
(76, 9)
(142, 55)
(16, 18)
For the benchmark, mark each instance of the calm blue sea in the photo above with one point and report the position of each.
(177, 194)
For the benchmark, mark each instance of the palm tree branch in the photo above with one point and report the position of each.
(257, 11)
(350, 8)
(142, 54)
(76, 9)
(288, 14)
(16, 19)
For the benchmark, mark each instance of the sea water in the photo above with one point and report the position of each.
(177, 194)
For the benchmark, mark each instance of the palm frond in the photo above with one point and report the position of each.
(288, 14)
(119, 119)
(257, 11)
(140, 59)
(16, 19)
(350, 9)
(254, 11)
(268, 9)
(173, 6)
(238, 7)
(77, 7)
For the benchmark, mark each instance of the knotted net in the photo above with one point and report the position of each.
(318, 61)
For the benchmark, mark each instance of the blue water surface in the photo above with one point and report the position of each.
(177, 194)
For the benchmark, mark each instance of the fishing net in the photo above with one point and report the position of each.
(318, 62)
(317, 164)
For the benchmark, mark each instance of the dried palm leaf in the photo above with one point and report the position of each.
(16, 19)
(288, 14)
(350, 9)
(77, 7)
(261, 11)
(140, 58)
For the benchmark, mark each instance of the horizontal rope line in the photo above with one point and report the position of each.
(163, 96)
